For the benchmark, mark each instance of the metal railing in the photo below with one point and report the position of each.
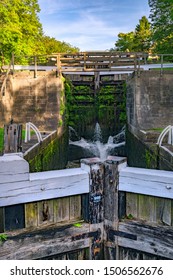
(3, 86)
(30, 126)
(168, 130)
(92, 61)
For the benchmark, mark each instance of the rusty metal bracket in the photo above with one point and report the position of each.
(94, 234)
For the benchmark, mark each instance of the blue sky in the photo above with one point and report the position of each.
(89, 24)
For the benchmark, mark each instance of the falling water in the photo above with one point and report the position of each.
(96, 147)
(97, 133)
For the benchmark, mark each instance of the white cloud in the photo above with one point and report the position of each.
(85, 32)
(90, 24)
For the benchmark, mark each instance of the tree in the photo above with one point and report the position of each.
(138, 40)
(142, 38)
(52, 45)
(20, 29)
(161, 14)
(125, 42)
(21, 32)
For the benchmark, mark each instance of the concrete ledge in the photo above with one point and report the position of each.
(13, 168)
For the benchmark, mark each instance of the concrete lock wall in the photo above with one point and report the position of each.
(29, 99)
(150, 99)
(39, 100)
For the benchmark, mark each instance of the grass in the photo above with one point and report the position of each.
(158, 129)
(2, 137)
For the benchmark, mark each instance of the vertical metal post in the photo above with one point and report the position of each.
(145, 58)
(35, 66)
(161, 69)
(58, 65)
(84, 61)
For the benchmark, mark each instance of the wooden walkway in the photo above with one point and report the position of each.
(82, 61)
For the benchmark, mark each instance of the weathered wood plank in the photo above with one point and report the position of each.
(75, 207)
(157, 240)
(31, 215)
(147, 181)
(43, 242)
(132, 205)
(2, 228)
(45, 185)
(12, 138)
(146, 208)
(164, 211)
(45, 212)
(14, 217)
(62, 209)
(131, 254)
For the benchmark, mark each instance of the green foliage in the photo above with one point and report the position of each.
(125, 42)
(52, 45)
(138, 40)
(130, 217)
(77, 225)
(21, 31)
(155, 37)
(161, 14)
(142, 36)
(50, 157)
(3, 237)
(150, 158)
(122, 106)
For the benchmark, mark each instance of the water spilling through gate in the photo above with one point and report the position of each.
(82, 148)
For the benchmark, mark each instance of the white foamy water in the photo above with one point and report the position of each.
(96, 147)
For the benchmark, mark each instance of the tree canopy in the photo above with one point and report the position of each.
(155, 36)
(21, 31)
(161, 15)
(51, 45)
(138, 40)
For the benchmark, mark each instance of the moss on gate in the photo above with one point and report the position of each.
(85, 107)
(49, 156)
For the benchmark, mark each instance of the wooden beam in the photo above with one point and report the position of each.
(45, 185)
(156, 240)
(17, 185)
(44, 242)
(117, 69)
(152, 182)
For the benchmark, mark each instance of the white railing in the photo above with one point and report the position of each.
(30, 126)
(168, 130)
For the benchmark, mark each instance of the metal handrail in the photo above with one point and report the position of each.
(169, 130)
(6, 77)
(30, 126)
(90, 61)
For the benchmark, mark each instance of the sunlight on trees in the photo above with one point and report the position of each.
(21, 31)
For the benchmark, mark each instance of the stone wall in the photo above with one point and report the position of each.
(39, 100)
(150, 99)
(29, 99)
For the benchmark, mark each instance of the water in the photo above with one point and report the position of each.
(97, 148)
